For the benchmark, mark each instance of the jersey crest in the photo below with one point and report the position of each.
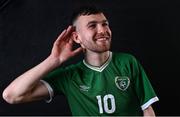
(122, 82)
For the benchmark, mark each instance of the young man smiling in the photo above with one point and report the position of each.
(104, 83)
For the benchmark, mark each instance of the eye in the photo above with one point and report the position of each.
(105, 24)
(92, 26)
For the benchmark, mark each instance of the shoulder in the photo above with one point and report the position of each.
(126, 57)
(73, 67)
(65, 71)
(126, 61)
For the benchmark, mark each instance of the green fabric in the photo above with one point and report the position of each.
(91, 92)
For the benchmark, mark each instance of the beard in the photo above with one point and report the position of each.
(98, 43)
(98, 46)
(102, 42)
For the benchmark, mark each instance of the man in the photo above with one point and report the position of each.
(104, 83)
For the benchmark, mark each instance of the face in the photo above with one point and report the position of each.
(93, 32)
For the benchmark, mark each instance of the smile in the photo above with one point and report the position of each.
(102, 39)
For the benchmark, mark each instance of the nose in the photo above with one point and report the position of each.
(101, 29)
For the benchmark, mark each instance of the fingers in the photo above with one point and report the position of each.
(62, 34)
(71, 41)
(59, 37)
(66, 35)
(78, 50)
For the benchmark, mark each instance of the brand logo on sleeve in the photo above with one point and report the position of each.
(122, 82)
(84, 88)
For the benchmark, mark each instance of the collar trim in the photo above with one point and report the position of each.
(102, 67)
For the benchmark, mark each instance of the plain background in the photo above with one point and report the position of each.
(149, 30)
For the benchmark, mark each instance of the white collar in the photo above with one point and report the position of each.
(102, 67)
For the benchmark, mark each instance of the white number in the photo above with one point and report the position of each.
(105, 101)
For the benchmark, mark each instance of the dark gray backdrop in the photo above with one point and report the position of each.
(149, 30)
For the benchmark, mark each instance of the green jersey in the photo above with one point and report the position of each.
(119, 87)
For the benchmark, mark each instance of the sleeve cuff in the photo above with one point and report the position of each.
(50, 90)
(148, 103)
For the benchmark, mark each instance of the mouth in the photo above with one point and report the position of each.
(102, 38)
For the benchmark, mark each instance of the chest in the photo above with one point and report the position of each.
(92, 83)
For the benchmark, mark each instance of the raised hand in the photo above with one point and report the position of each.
(32, 88)
(62, 48)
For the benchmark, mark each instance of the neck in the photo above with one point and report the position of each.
(96, 59)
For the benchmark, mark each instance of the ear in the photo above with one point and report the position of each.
(75, 37)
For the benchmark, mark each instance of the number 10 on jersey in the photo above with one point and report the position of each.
(103, 102)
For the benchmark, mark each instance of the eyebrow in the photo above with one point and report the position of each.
(95, 22)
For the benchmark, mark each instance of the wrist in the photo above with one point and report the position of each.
(52, 62)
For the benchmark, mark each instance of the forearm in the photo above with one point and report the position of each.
(27, 86)
(149, 112)
(27, 81)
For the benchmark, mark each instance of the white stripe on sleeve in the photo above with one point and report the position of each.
(50, 90)
(148, 103)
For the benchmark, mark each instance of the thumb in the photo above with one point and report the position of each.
(78, 50)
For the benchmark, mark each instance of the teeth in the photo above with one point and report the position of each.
(101, 39)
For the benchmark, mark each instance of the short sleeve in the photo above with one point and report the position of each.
(143, 87)
(57, 81)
